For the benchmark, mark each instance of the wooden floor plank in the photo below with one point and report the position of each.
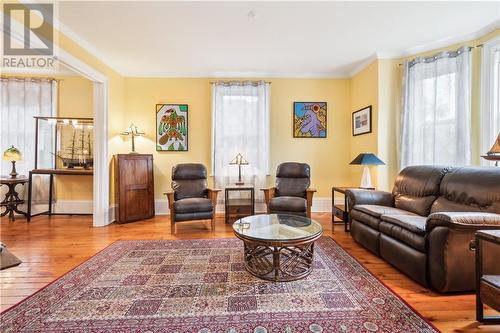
(50, 247)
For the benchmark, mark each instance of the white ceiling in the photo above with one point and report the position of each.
(267, 39)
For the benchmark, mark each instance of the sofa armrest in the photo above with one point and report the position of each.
(212, 195)
(463, 220)
(369, 197)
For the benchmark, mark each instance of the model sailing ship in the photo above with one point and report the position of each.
(78, 154)
(494, 153)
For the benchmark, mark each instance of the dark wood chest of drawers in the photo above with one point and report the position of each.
(134, 187)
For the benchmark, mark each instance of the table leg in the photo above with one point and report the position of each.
(51, 184)
(479, 273)
(29, 195)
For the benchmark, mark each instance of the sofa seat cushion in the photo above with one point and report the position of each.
(377, 211)
(413, 223)
(363, 218)
(394, 231)
(288, 204)
(193, 205)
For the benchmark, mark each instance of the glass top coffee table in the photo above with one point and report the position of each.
(278, 247)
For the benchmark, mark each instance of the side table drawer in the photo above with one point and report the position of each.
(239, 210)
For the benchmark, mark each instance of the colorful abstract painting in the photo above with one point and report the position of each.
(309, 119)
(171, 127)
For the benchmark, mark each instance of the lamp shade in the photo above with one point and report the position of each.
(12, 154)
(367, 159)
(134, 130)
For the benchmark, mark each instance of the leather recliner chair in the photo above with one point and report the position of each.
(292, 194)
(426, 226)
(191, 199)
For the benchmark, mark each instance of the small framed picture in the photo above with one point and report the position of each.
(362, 121)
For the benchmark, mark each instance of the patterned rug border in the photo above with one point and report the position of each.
(204, 239)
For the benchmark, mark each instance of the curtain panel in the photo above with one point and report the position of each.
(240, 124)
(21, 99)
(490, 96)
(436, 117)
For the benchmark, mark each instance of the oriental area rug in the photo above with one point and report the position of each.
(201, 286)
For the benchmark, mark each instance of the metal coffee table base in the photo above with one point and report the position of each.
(279, 262)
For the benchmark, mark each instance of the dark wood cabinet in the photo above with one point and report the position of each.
(134, 187)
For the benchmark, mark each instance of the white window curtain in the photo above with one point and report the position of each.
(436, 119)
(21, 100)
(490, 96)
(240, 124)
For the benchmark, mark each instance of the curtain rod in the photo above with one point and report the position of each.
(237, 81)
(30, 78)
(470, 47)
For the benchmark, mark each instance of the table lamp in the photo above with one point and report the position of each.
(12, 154)
(239, 161)
(366, 159)
(134, 131)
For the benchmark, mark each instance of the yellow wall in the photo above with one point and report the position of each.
(379, 84)
(364, 92)
(75, 99)
(328, 157)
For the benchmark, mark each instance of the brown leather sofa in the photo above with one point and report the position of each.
(292, 194)
(191, 198)
(426, 226)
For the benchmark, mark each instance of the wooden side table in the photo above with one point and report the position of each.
(12, 200)
(487, 286)
(342, 211)
(236, 208)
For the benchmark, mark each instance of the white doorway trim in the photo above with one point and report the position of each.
(100, 205)
(100, 106)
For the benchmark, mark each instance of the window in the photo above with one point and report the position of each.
(436, 122)
(240, 124)
(21, 99)
(490, 96)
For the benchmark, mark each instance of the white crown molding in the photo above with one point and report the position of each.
(229, 75)
(444, 42)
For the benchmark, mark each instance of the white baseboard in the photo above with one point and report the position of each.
(73, 206)
(320, 205)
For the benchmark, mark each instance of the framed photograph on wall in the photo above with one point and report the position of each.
(171, 127)
(362, 121)
(309, 119)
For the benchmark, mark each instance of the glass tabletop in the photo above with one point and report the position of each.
(277, 227)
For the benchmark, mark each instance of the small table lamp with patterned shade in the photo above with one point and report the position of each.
(239, 161)
(12, 154)
(366, 159)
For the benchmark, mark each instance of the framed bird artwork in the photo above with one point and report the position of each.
(171, 127)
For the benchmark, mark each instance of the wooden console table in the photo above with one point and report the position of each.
(51, 173)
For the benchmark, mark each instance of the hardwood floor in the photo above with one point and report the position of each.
(49, 247)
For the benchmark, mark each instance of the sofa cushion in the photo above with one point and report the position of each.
(417, 187)
(363, 218)
(193, 205)
(288, 204)
(414, 240)
(413, 223)
(377, 211)
(470, 190)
